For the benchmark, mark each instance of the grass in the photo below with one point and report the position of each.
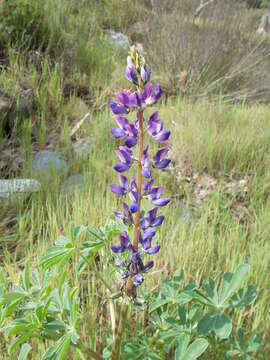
(215, 240)
(77, 72)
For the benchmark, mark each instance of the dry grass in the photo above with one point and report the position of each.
(216, 53)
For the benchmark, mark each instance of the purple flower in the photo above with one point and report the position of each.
(148, 187)
(146, 171)
(121, 189)
(155, 128)
(119, 109)
(126, 97)
(146, 241)
(125, 244)
(154, 195)
(126, 130)
(125, 156)
(161, 163)
(146, 94)
(134, 207)
(126, 215)
(151, 219)
(145, 73)
(131, 74)
(133, 185)
(118, 133)
(154, 96)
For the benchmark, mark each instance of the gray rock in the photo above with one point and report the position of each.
(117, 39)
(47, 161)
(264, 27)
(10, 188)
(76, 183)
(81, 148)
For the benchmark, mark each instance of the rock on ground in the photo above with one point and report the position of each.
(119, 40)
(10, 188)
(46, 161)
(81, 148)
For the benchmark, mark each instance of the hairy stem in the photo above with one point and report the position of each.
(136, 232)
(139, 183)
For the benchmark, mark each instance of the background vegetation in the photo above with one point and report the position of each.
(215, 73)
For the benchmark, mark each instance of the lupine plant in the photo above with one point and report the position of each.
(42, 311)
(141, 225)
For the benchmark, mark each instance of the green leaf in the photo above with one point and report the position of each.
(94, 233)
(211, 290)
(158, 304)
(182, 344)
(56, 255)
(55, 326)
(243, 297)
(254, 343)
(26, 276)
(231, 283)
(25, 349)
(20, 326)
(206, 324)
(78, 231)
(200, 297)
(18, 341)
(191, 352)
(223, 326)
(196, 349)
(216, 321)
(58, 350)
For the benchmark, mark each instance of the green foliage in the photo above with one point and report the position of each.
(184, 351)
(244, 350)
(24, 22)
(183, 321)
(43, 305)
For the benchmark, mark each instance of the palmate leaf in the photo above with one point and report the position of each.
(243, 297)
(184, 351)
(218, 322)
(58, 254)
(171, 292)
(229, 294)
(232, 282)
(244, 349)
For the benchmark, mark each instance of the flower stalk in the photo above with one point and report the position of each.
(144, 224)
